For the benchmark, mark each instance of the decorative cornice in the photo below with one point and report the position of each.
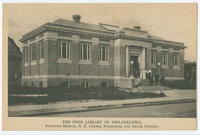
(95, 33)
(73, 40)
(132, 38)
(167, 43)
(34, 32)
(72, 27)
(64, 28)
(80, 33)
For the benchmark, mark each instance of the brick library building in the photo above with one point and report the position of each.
(71, 53)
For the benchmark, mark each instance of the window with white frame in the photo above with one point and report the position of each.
(85, 51)
(153, 57)
(104, 53)
(26, 54)
(176, 59)
(65, 83)
(104, 84)
(33, 53)
(64, 49)
(164, 56)
(42, 51)
(86, 84)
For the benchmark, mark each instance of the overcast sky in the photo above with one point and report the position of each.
(176, 22)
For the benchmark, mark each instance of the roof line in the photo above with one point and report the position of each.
(125, 28)
(79, 27)
(167, 41)
(101, 24)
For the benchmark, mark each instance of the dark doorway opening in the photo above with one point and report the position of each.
(134, 66)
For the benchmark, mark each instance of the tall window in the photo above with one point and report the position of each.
(164, 56)
(176, 60)
(41, 50)
(86, 84)
(26, 54)
(64, 49)
(33, 53)
(104, 53)
(153, 57)
(85, 51)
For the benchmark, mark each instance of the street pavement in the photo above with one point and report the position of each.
(88, 105)
(180, 110)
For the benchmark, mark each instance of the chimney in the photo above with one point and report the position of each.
(137, 27)
(76, 18)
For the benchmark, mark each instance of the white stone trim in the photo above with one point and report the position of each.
(88, 77)
(168, 42)
(73, 38)
(170, 50)
(35, 41)
(96, 42)
(33, 62)
(85, 62)
(174, 78)
(176, 67)
(26, 64)
(165, 66)
(104, 63)
(73, 77)
(41, 61)
(64, 61)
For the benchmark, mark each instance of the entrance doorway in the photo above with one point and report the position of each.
(134, 66)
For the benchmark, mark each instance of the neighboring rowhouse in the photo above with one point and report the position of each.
(14, 63)
(76, 54)
(190, 73)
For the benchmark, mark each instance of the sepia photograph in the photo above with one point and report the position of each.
(100, 61)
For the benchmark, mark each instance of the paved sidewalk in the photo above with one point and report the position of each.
(87, 105)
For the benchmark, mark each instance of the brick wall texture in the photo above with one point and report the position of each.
(54, 69)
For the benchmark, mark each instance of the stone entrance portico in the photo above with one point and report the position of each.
(135, 54)
(140, 53)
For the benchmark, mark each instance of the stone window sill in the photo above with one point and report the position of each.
(64, 61)
(41, 61)
(26, 64)
(85, 62)
(165, 67)
(33, 62)
(104, 63)
(177, 67)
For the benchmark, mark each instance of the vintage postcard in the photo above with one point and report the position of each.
(99, 66)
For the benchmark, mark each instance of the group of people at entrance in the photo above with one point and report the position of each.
(153, 78)
(150, 77)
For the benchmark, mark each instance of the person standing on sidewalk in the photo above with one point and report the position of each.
(157, 73)
(150, 77)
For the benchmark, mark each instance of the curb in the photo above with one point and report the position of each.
(106, 107)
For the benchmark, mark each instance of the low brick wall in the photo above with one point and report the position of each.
(73, 83)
